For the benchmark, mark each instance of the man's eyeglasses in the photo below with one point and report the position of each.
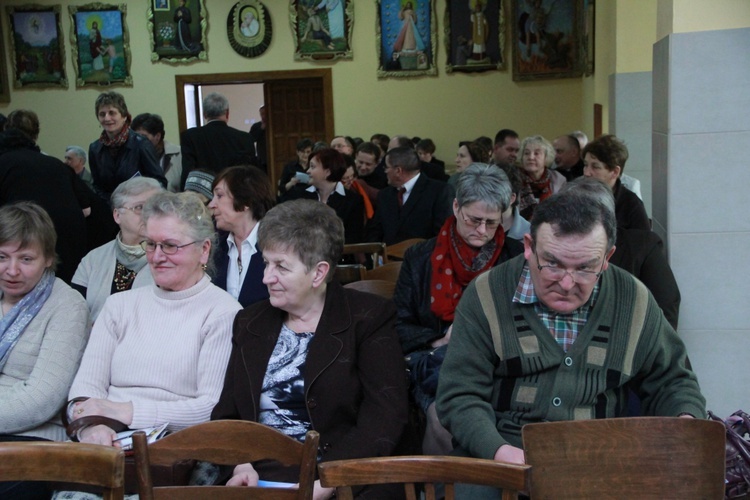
(476, 221)
(137, 209)
(168, 248)
(553, 272)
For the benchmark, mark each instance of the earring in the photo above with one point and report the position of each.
(204, 267)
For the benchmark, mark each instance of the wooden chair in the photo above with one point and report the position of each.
(76, 463)
(410, 470)
(387, 272)
(226, 442)
(348, 273)
(382, 288)
(375, 250)
(398, 250)
(638, 457)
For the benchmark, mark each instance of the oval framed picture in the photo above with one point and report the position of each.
(249, 28)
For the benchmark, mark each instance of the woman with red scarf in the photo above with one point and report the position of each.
(119, 154)
(539, 181)
(434, 275)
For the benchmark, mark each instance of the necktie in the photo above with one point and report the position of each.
(401, 192)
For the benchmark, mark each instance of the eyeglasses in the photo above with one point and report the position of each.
(137, 209)
(553, 272)
(475, 222)
(168, 248)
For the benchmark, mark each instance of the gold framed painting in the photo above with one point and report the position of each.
(177, 29)
(474, 35)
(37, 46)
(407, 38)
(322, 29)
(101, 45)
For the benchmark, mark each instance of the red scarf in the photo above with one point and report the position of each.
(455, 263)
(118, 140)
(533, 192)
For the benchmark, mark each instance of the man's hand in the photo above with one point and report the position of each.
(444, 339)
(243, 475)
(510, 454)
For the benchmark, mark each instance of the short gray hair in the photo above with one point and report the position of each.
(78, 151)
(215, 105)
(538, 140)
(133, 187)
(188, 208)
(484, 183)
(404, 157)
(594, 188)
(309, 228)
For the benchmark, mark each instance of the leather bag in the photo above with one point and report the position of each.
(737, 454)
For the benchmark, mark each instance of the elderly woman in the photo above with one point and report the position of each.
(434, 275)
(241, 197)
(327, 168)
(315, 356)
(119, 153)
(43, 332)
(120, 264)
(604, 159)
(539, 181)
(468, 153)
(169, 155)
(158, 354)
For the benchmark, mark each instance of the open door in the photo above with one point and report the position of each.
(299, 104)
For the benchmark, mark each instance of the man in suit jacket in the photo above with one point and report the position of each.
(215, 145)
(413, 205)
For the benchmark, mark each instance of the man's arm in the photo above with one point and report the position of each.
(467, 379)
(443, 206)
(189, 159)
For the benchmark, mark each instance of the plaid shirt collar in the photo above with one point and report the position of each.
(563, 326)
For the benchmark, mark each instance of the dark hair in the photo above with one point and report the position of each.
(114, 99)
(370, 148)
(505, 133)
(574, 213)
(303, 144)
(333, 161)
(25, 121)
(477, 152)
(310, 229)
(151, 123)
(381, 140)
(402, 141)
(485, 142)
(514, 176)
(28, 224)
(405, 158)
(250, 187)
(426, 145)
(609, 150)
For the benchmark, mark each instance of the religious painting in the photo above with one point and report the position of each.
(474, 35)
(101, 45)
(546, 39)
(589, 24)
(249, 28)
(177, 29)
(322, 29)
(37, 47)
(4, 82)
(406, 37)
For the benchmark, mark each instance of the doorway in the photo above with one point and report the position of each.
(299, 104)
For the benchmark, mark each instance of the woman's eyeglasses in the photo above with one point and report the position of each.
(168, 248)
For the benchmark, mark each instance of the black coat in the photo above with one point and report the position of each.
(629, 209)
(417, 325)
(350, 209)
(28, 175)
(253, 290)
(213, 147)
(428, 206)
(136, 157)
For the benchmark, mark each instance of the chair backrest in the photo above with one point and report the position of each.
(638, 457)
(226, 442)
(382, 288)
(387, 272)
(397, 250)
(376, 250)
(410, 470)
(76, 463)
(349, 272)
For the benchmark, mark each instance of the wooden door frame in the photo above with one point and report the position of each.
(324, 74)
